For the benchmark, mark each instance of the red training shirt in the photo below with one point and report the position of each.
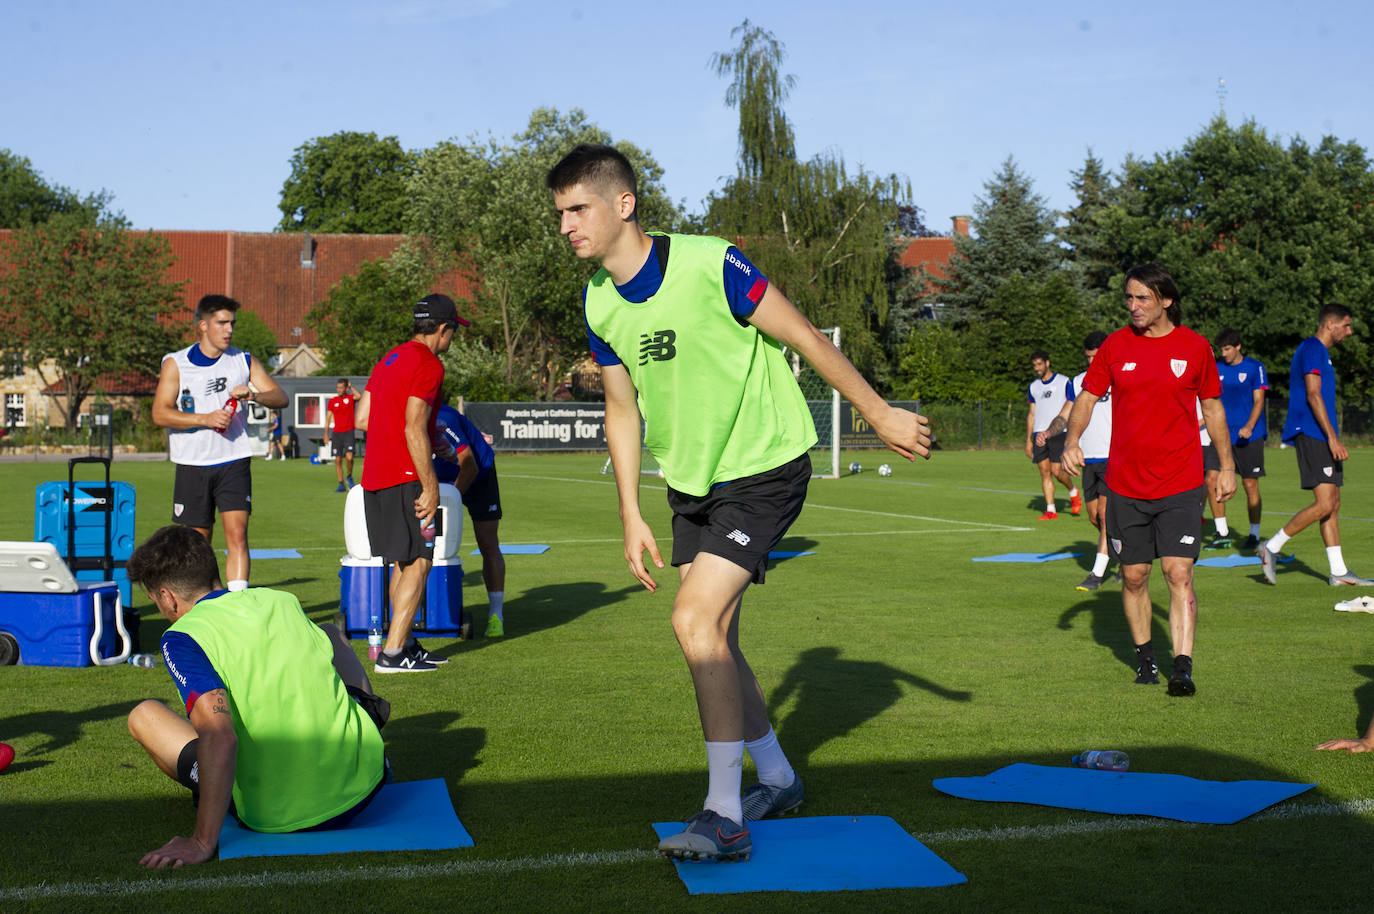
(1156, 450)
(341, 411)
(409, 370)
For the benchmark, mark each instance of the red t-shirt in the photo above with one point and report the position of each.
(409, 370)
(1155, 383)
(341, 411)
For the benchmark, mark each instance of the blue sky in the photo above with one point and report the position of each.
(189, 113)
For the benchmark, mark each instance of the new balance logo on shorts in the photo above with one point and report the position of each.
(738, 536)
(1187, 540)
(657, 346)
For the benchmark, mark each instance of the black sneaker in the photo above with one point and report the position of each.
(1181, 684)
(1219, 542)
(1090, 583)
(1146, 673)
(404, 662)
(1251, 543)
(415, 650)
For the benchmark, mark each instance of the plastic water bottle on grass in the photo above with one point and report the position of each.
(374, 638)
(144, 661)
(1102, 759)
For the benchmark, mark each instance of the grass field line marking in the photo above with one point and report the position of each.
(169, 883)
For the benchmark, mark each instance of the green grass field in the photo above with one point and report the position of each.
(889, 659)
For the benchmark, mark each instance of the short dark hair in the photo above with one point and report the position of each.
(1040, 354)
(1095, 339)
(341, 381)
(593, 163)
(1154, 277)
(177, 558)
(1227, 336)
(1332, 311)
(209, 304)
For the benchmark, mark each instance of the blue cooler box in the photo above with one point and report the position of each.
(364, 589)
(52, 619)
(93, 500)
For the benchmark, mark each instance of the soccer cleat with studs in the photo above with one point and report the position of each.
(709, 836)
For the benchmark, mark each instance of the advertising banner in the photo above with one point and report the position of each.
(560, 426)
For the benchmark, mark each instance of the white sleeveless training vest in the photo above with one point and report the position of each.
(209, 386)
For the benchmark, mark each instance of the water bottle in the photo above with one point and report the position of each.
(374, 637)
(188, 402)
(231, 406)
(145, 661)
(1102, 759)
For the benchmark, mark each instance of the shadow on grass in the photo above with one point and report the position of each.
(62, 728)
(538, 609)
(1109, 628)
(429, 746)
(1364, 699)
(835, 695)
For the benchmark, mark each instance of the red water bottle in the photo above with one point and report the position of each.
(232, 405)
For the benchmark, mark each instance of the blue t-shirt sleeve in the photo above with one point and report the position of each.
(602, 353)
(1310, 359)
(1261, 377)
(744, 284)
(1069, 393)
(189, 667)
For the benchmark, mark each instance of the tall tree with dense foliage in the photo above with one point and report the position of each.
(820, 233)
(1090, 259)
(86, 301)
(347, 182)
(485, 203)
(26, 199)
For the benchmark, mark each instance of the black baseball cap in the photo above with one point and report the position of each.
(439, 308)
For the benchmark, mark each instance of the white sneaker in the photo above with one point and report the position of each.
(1357, 605)
(269, 456)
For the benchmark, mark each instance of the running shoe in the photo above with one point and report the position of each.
(495, 627)
(1181, 682)
(1090, 583)
(1075, 504)
(708, 836)
(1349, 579)
(404, 662)
(416, 650)
(1250, 544)
(1048, 515)
(1146, 673)
(341, 488)
(1268, 563)
(1219, 542)
(349, 481)
(763, 801)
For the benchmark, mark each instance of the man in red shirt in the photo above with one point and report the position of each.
(339, 433)
(1157, 371)
(400, 491)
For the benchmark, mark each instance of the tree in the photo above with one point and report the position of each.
(349, 183)
(1014, 238)
(253, 336)
(485, 203)
(365, 315)
(88, 301)
(822, 236)
(26, 199)
(1090, 259)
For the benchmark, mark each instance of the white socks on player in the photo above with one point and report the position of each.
(1100, 564)
(725, 764)
(773, 767)
(496, 599)
(237, 585)
(1336, 560)
(1223, 529)
(1277, 541)
(1073, 493)
(1050, 508)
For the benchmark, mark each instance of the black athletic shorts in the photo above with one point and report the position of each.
(1316, 466)
(1052, 450)
(198, 491)
(1140, 530)
(393, 530)
(341, 443)
(483, 497)
(1094, 483)
(188, 775)
(1249, 459)
(741, 520)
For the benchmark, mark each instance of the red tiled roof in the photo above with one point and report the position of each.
(932, 253)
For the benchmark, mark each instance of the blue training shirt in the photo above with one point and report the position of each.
(465, 436)
(744, 288)
(1311, 357)
(1238, 385)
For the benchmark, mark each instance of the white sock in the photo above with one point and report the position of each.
(1073, 493)
(1050, 508)
(1336, 560)
(1254, 530)
(773, 767)
(1222, 528)
(496, 599)
(237, 585)
(725, 764)
(1276, 541)
(1100, 564)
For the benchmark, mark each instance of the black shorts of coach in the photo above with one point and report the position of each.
(741, 520)
(1316, 466)
(198, 491)
(1140, 530)
(393, 530)
(1052, 450)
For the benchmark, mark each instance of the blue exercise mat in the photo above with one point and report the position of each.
(820, 854)
(780, 554)
(1168, 796)
(1029, 557)
(517, 550)
(415, 815)
(271, 553)
(1235, 561)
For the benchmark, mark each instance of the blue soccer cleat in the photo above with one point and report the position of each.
(708, 836)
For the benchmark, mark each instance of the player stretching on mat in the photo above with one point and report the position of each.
(687, 331)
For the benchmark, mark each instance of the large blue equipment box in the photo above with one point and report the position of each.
(364, 592)
(91, 524)
(47, 618)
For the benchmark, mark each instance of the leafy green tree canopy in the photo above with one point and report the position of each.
(88, 301)
(366, 314)
(347, 182)
(26, 199)
(253, 336)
